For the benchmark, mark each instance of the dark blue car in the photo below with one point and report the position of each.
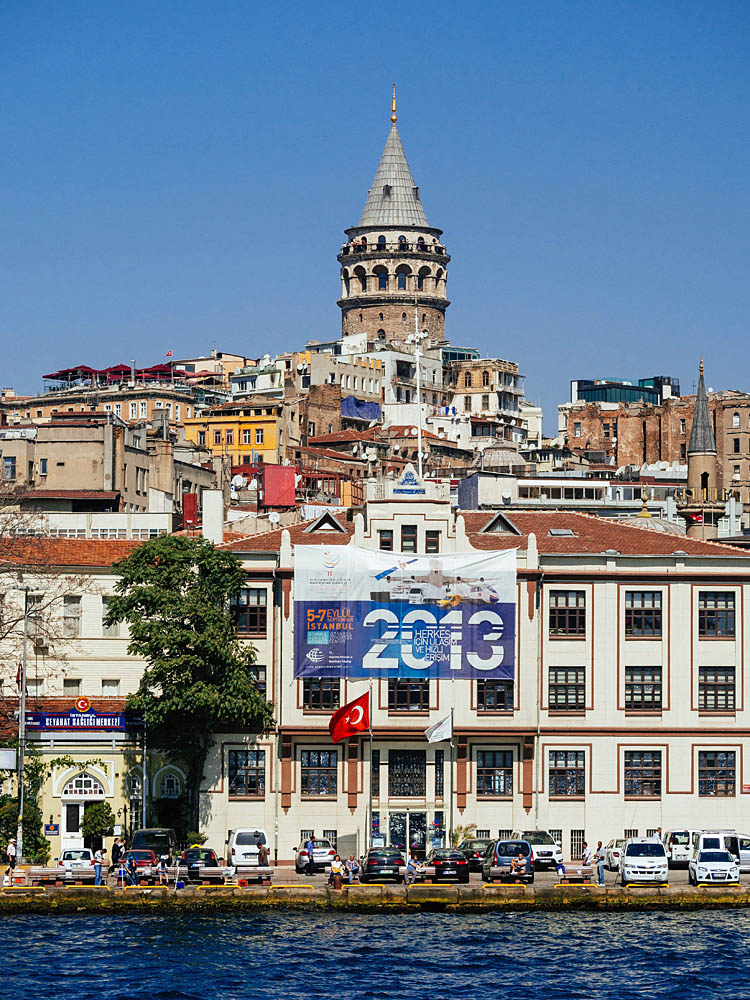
(513, 856)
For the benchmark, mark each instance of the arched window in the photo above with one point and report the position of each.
(346, 281)
(420, 281)
(387, 190)
(381, 334)
(735, 420)
(485, 379)
(362, 277)
(420, 242)
(381, 241)
(403, 315)
(402, 242)
(381, 315)
(382, 281)
(170, 786)
(83, 786)
(467, 380)
(401, 281)
(364, 241)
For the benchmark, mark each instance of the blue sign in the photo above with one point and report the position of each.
(74, 720)
(51, 829)
(365, 613)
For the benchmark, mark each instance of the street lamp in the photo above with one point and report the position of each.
(22, 724)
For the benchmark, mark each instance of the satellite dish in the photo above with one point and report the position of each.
(300, 368)
(274, 517)
(414, 432)
(507, 494)
(397, 447)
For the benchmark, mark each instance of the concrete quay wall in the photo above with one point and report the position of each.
(368, 898)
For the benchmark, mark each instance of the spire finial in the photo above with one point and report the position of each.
(701, 366)
(393, 106)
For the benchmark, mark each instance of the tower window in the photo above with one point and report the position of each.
(420, 242)
(381, 334)
(420, 282)
(387, 190)
(403, 315)
(402, 241)
(402, 281)
(382, 281)
(381, 315)
(381, 241)
(416, 193)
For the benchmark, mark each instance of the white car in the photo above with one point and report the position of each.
(643, 861)
(323, 855)
(546, 851)
(612, 853)
(80, 857)
(712, 868)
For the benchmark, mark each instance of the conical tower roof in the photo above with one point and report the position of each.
(393, 199)
(702, 440)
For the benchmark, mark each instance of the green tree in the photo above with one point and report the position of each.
(174, 592)
(98, 820)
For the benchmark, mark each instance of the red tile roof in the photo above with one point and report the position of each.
(591, 535)
(83, 552)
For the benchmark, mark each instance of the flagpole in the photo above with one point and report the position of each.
(369, 818)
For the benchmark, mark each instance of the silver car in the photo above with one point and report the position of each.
(323, 855)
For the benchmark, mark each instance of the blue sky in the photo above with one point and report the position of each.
(178, 175)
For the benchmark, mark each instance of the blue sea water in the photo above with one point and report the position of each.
(306, 956)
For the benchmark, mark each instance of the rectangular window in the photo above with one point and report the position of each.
(642, 613)
(109, 631)
(643, 689)
(432, 541)
(407, 773)
(494, 772)
(556, 836)
(118, 409)
(716, 689)
(736, 446)
(439, 774)
(386, 540)
(467, 404)
(202, 438)
(249, 610)
(715, 613)
(683, 452)
(682, 427)
(567, 612)
(133, 410)
(504, 834)
(143, 408)
(319, 772)
(485, 403)
(306, 835)
(331, 835)
(35, 686)
(576, 429)
(643, 774)
(71, 616)
(230, 437)
(258, 673)
(246, 436)
(9, 468)
(566, 773)
(217, 437)
(42, 466)
(716, 772)
(408, 538)
(606, 430)
(247, 773)
(631, 832)
(567, 689)
(320, 694)
(576, 844)
(110, 688)
(408, 696)
(494, 696)
(375, 774)
(259, 435)
(71, 687)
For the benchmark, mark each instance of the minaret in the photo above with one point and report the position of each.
(394, 262)
(703, 507)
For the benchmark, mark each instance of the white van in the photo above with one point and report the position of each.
(643, 860)
(679, 847)
(717, 840)
(244, 844)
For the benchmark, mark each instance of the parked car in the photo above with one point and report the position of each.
(744, 852)
(244, 844)
(612, 853)
(323, 855)
(450, 864)
(82, 857)
(196, 858)
(501, 853)
(159, 839)
(713, 867)
(643, 860)
(717, 840)
(473, 850)
(679, 847)
(143, 859)
(546, 850)
(382, 863)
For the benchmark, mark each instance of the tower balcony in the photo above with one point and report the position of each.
(370, 251)
(360, 300)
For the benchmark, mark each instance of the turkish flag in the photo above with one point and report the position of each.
(169, 353)
(350, 719)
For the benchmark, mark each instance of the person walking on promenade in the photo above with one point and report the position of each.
(310, 866)
(11, 855)
(352, 868)
(599, 858)
(115, 855)
(262, 856)
(656, 835)
(98, 862)
(586, 854)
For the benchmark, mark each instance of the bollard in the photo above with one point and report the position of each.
(338, 882)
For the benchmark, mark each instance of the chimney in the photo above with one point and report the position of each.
(213, 516)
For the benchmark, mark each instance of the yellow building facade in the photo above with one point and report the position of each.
(247, 431)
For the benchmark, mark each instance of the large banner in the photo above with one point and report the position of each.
(365, 613)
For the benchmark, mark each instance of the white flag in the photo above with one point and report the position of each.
(442, 730)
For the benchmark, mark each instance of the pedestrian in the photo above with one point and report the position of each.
(132, 869)
(411, 870)
(352, 868)
(657, 834)
(599, 857)
(11, 855)
(98, 862)
(586, 854)
(310, 848)
(161, 870)
(262, 856)
(115, 855)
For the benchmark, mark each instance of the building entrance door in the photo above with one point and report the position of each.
(407, 830)
(71, 837)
